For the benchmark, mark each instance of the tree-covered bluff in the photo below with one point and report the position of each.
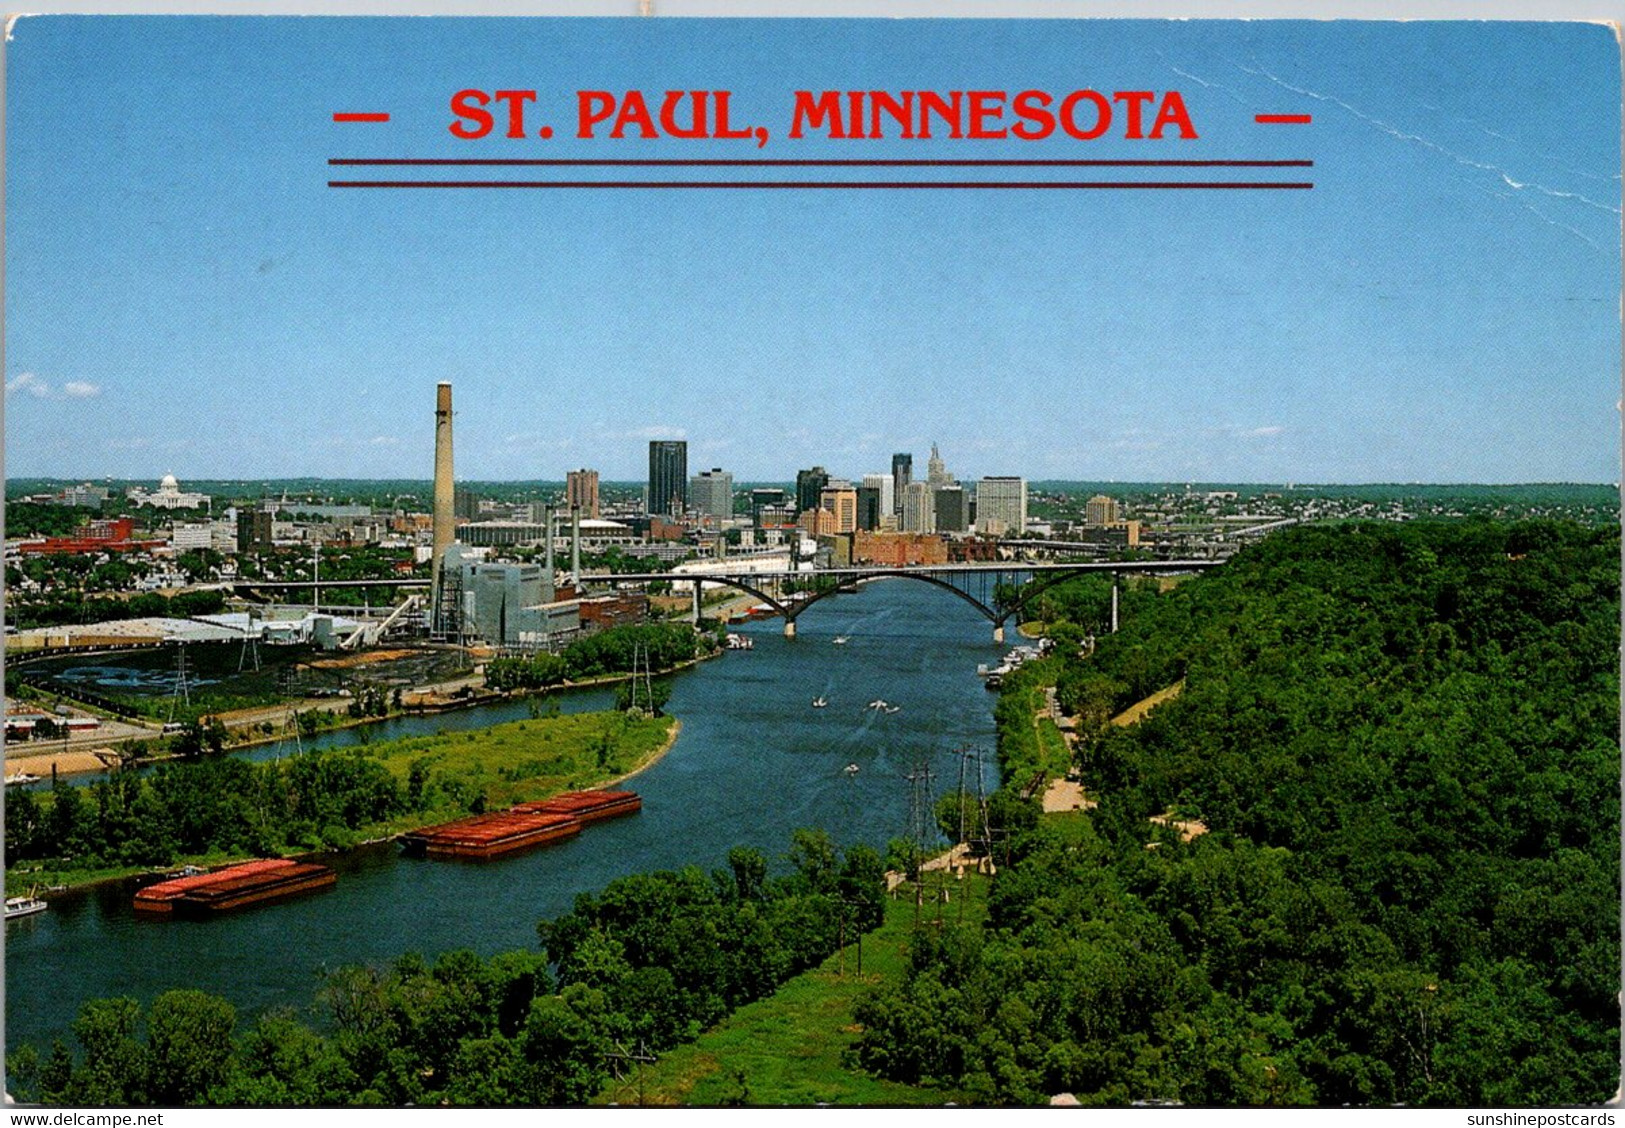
(1403, 740)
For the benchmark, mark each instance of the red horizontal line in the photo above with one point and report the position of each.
(1282, 119)
(1051, 184)
(517, 162)
(360, 117)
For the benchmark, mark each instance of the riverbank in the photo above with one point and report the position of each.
(491, 768)
(336, 719)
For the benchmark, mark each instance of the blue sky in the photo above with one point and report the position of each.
(184, 294)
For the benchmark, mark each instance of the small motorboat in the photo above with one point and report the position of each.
(850, 769)
(876, 704)
(840, 640)
(24, 906)
(893, 709)
(18, 778)
(819, 702)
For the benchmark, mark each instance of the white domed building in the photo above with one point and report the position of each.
(169, 495)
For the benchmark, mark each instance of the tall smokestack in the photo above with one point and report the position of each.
(445, 521)
(547, 553)
(575, 546)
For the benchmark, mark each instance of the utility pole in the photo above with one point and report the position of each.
(851, 905)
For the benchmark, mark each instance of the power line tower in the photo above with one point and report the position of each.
(639, 1057)
(641, 686)
(251, 648)
(182, 691)
(919, 821)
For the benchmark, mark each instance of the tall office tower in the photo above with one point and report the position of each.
(842, 500)
(952, 509)
(668, 477)
(935, 472)
(870, 507)
(1001, 507)
(445, 518)
(1100, 511)
(766, 497)
(809, 485)
(902, 472)
(253, 528)
(711, 492)
(581, 492)
(918, 516)
(883, 483)
(465, 504)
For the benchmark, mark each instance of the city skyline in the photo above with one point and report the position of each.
(1442, 307)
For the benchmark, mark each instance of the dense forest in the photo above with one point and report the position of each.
(1403, 744)
(646, 963)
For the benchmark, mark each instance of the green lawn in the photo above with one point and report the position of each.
(523, 760)
(789, 1049)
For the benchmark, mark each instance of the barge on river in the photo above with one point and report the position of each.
(588, 806)
(536, 823)
(234, 887)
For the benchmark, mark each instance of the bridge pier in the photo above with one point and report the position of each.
(789, 628)
(998, 632)
(696, 619)
(1114, 603)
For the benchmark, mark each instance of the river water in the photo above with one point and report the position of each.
(754, 762)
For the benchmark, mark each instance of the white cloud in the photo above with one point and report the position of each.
(41, 389)
(1241, 432)
(30, 383)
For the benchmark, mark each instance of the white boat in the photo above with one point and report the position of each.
(840, 640)
(740, 642)
(24, 906)
(819, 703)
(894, 709)
(21, 778)
(877, 703)
(850, 769)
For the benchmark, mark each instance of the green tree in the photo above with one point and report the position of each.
(189, 1039)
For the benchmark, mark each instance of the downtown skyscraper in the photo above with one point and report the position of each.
(902, 473)
(668, 477)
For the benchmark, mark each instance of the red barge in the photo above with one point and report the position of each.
(536, 823)
(234, 887)
(486, 836)
(588, 806)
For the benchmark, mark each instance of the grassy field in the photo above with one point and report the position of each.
(790, 1048)
(525, 760)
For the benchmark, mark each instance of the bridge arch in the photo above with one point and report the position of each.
(778, 605)
(853, 584)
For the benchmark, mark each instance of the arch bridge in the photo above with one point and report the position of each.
(985, 587)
